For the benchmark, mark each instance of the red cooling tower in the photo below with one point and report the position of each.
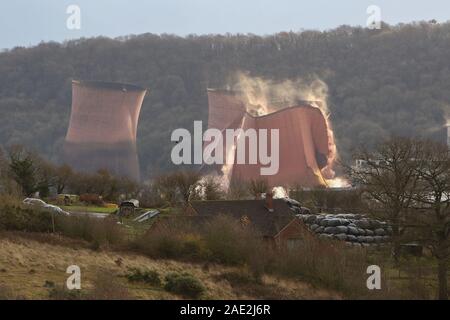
(102, 129)
(306, 143)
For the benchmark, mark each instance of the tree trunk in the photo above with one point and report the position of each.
(442, 278)
(396, 239)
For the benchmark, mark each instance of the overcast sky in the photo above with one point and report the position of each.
(28, 22)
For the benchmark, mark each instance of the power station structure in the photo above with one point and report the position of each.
(306, 143)
(103, 126)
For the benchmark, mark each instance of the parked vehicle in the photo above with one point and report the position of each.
(34, 202)
(49, 207)
(56, 209)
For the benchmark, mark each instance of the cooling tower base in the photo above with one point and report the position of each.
(119, 159)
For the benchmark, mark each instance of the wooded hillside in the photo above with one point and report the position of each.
(394, 81)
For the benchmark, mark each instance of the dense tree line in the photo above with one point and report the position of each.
(393, 81)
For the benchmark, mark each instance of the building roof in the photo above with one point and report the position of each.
(253, 212)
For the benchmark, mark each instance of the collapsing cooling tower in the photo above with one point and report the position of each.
(306, 144)
(102, 129)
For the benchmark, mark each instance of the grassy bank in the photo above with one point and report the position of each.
(32, 266)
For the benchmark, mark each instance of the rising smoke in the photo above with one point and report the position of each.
(264, 96)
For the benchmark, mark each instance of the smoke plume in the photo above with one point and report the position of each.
(264, 96)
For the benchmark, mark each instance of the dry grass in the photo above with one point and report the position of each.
(108, 287)
(26, 265)
(7, 294)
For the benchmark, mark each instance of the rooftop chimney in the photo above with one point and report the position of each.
(269, 201)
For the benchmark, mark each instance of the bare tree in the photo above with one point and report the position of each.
(389, 177)
(150, 196)
(7, 184)
(63, 175)
(403, 175)
(187, 183)
(434, 173)
(179, 186)
(128, 187)
(106, 185)
(237, 190)
(258, 186)
(211, 188)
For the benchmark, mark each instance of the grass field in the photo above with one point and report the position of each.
(88, 209)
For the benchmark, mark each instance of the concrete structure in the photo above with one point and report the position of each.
(307, 149)
(103, 126)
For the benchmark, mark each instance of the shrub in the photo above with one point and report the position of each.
(184, 284)
(107, 287)
(170, 241)
(15, 217)
(329, 264)
(222, 240)
(147, 276)
(194, 247)
(62, 293)
(160, 245)
(98, 232)
(229, 242)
